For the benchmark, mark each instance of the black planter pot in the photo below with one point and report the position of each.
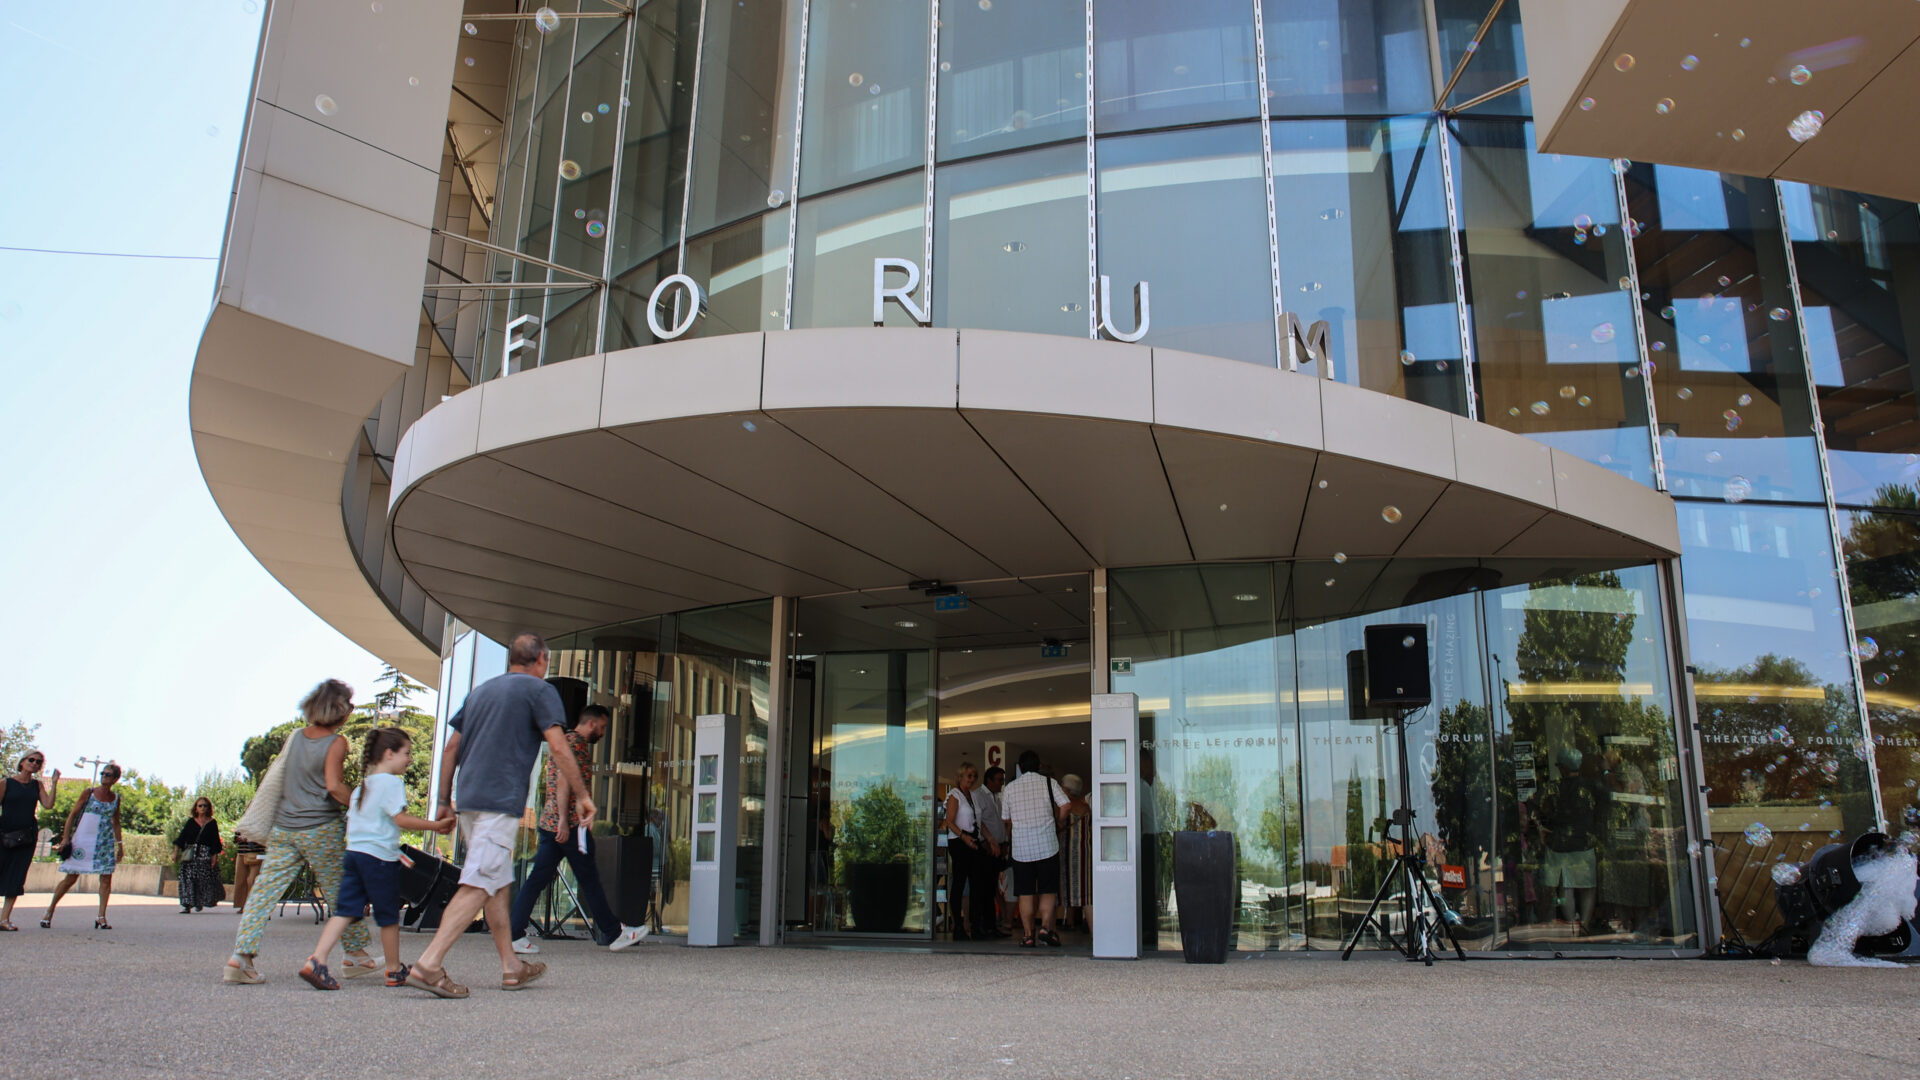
(877, 896)
(1204, 885)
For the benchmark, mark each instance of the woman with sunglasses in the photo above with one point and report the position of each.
(91, 845)
(25, 793)
(198, 849)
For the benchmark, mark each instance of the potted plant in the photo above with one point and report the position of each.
(875, 845)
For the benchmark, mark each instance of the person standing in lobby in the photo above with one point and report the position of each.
(974, 868)
(91, 844)
(198, 847)
(490, 755)
(986, 804)
(557, 819)
(309, 829)
(25, 795)
(1076, 855)
(1032, 807)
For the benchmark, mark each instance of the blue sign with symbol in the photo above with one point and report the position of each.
(1053, 652)
(956, 602)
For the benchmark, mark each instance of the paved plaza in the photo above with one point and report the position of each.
(145, 1000)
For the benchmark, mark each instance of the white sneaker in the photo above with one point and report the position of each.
(525, 946)
(629, 935)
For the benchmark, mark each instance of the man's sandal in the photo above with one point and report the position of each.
(529, 971)
(439, 985)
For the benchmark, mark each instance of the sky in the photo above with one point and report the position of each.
(145, 631)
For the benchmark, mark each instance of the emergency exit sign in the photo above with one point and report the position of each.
(1120, 665)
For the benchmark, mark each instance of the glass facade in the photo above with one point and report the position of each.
(1276, 172)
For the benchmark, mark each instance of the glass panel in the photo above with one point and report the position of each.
(1011, 75)
(1113, 756)
(1546, 269)
(1159, 64)
(1779, 725)
(874, 759)
(749, 83)
(866, 109)
(587, 152)
(1883, 577)
(709, 805)
(653, 170)
(744, 272)
(1730, 386)
(1859, 263)
(1333, 57)
(1159, 192)
(709, 770)
(1113, 843)
(1010, 243)
(1113, 798)
(1217, 733)
(840, 235)
(1501, 58)
(627, 305)
(703, 846)
(1363, 247)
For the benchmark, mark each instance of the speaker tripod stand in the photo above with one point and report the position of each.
(1423, 914)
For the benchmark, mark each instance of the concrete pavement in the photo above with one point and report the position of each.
(145, 1000)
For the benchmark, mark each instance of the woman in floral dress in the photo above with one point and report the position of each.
(91, 844)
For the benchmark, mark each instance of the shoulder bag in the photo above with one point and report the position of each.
(257, 823)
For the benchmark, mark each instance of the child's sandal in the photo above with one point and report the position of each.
(398, 976)
(315, 973)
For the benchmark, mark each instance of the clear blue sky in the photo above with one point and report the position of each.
(143, 630)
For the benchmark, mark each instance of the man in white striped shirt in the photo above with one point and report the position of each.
(1031, 807)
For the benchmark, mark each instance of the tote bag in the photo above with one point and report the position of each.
(257, 823)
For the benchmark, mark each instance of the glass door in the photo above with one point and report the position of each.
(873, 793)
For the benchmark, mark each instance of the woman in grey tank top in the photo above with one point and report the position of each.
(310, 830)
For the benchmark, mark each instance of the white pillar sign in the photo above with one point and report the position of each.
(1116, 828)
(716, 830)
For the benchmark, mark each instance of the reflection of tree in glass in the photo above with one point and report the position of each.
(1363, 861)
(874, 828)
(1463, 796)
(1883, 578)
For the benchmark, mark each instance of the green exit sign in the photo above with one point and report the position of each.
(1120, 665)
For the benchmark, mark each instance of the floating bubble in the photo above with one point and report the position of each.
(1880, 678)
(1744, 399)
(1724, 280)
(1737, 489)
(1689, 62)
(1582, 221)
(325, 105)
(1624, 62)
(1513, 410)
(1745, 41)
(1683, 393)
(569, 169)
(1406, 358)
(1786, 873)
(413, 80)
(1328, 583)
(1540, 408)
(376, 5)
(1311, 287)
(1586, 104)
(1602, 334)
(986, 5)
(1625, 283)
(1407, 642)
(1732, 418)
(586, 118)
(1779, 314)
(1806, 125)
(1584, 401)
(1621, 165)
(856, 79)
(1599, 230)
(579, 215)
(470, 61)
(1667, 312)
(1390, 514)
(1567, 392)
(546, 20)
(1340, 556)
(1521, 295)
(1739, 134)
(1713, 457)
(1322, 485)
(776, 197)
(471, 29)
(1758, 834)
(603, 108)
(1868, 648)
(874, 89)
(596, 229)
(1439, 365)
(1580, 236)
(1798, 75)
(1663, 106)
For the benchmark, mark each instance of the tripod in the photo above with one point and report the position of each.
(1422, 922)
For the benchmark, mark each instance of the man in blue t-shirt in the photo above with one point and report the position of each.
(488, 761)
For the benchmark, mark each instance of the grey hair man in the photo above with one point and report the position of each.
(486, 766)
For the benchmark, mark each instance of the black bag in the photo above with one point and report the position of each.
(18, 838)
(65, 851)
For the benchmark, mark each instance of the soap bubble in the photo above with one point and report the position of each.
(1584, 401)
(603, 108)
(1683, 393)
(1663, 106)
(1407, 642)
(1582, 221)
(1737, 489)
(596, 229)
(1322, 485)
(586, 117)
(1739, 134)
(1540, 408)
(1693, 847)
(776, 197)
(1513, 410)
(1732, 418)
(1602, 334)
(1798, 75)
(547, 20)
(1868, 648)
(471, 29)
(1390, 514)
(1667, 312)
(1586, 104)
(1521, 295)
(1806, 125)
(1568, 392)
(1599, 230)
(856, 79)
(1786, 873)
(1689, 62)
(413, 80)
(1779, 314)
(1625, 282)
(1406, 358)
(1725, 281)
(1579, 236)
(874, 89)
(1328, 583)
(1624, 62)
(1880, 678)
(325, 105)
(1340, 556)
(579, 215)
(569, 169)
(1745, 41)
(1713, 457)
(1758, 834)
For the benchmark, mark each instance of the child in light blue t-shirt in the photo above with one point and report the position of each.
(371, 877)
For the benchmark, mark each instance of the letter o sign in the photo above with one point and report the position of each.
(696, 308)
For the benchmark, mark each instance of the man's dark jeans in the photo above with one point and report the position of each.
(546, 866)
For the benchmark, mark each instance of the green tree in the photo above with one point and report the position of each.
(15, 741)
(391, 706)
(1363, 862)
(876, 828)
(259, 750)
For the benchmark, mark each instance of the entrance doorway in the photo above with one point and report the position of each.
(892, 692)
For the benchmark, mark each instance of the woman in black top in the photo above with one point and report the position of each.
(198, 848)
(20, 804)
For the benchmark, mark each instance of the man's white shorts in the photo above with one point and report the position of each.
(489, 838)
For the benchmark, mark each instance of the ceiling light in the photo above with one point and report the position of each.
(1245, 597)
(906, 624)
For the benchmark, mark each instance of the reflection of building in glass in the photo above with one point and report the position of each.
(1638, 443)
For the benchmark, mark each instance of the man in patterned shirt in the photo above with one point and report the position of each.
(577, 851)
